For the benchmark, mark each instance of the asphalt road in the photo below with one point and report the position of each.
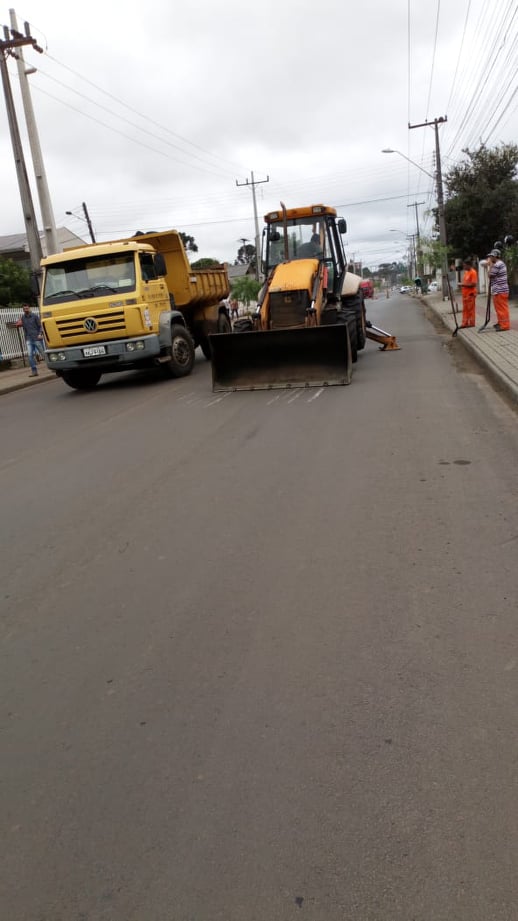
(259, 651)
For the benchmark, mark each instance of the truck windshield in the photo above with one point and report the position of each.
(306, 239)
(89, 277)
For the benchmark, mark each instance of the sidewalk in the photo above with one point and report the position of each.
(19, 378)
(496, 352)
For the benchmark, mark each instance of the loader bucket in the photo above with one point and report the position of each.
(318, 356)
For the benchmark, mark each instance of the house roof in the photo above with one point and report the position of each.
(238, 271)
(17, 242)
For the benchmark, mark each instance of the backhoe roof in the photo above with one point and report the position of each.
(315, 211)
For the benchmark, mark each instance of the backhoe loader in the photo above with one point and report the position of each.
(310, 320)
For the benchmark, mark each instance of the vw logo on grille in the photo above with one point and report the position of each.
(90, 325)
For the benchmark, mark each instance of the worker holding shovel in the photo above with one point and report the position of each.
(499, 289)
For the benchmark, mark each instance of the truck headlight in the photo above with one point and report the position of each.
(57, 356)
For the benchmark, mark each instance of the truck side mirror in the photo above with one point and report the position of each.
(160, 268)
(342, 225)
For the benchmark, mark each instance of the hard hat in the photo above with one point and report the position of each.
(495, 253)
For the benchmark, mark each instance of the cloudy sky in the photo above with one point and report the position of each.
(152, 112)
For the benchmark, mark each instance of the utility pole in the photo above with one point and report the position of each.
(42, 188)
(88, 221)
(419, 252)
(7, 47)
(440, 196)
(252, 183)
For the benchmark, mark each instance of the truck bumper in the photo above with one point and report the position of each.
(113, 355)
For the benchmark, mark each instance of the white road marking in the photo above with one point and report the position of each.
(269, 403)
(295, 397)
(316, 395)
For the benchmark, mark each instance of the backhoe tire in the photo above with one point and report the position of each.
(181, 360)
(356, 303)
(244, 325)
(86, 379)
(348, 318)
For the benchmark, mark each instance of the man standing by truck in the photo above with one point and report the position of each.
(33, 336)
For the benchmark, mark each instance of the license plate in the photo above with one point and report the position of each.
(94, 350)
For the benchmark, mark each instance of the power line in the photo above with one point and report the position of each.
(124, 119)
(141, 115)
(433, 57)
(128, 136)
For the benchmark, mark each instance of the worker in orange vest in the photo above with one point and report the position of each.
(469, 294)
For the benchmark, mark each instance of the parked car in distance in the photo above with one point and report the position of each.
(404, 288)
(432, 287)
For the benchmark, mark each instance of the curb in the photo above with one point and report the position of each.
(496, 373)
(499, 376)
(22, 385)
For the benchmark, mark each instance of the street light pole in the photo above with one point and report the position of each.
(86, 218)
(88, 221)
(391, 150)
(418, 238)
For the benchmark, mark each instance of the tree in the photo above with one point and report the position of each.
(15, 283)
(246, 289)
(482, 199)
(189, 243)
(246, 255)
(205, 263)
(434, 252)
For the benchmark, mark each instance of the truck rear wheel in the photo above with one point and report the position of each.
(82, 380)
(224, 325)
(205, 347)
(181, 359)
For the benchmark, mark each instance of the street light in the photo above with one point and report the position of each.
(390, 150)
(86, 218)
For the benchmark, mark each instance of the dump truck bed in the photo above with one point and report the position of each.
(189, 287)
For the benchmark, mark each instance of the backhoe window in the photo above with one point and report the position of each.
(87, 278)
(306, 240)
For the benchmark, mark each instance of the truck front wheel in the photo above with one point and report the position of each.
(181, 360)
(82, 380)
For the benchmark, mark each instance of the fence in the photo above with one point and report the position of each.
(12, 338)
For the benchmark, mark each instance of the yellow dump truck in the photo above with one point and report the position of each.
(132, 303)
